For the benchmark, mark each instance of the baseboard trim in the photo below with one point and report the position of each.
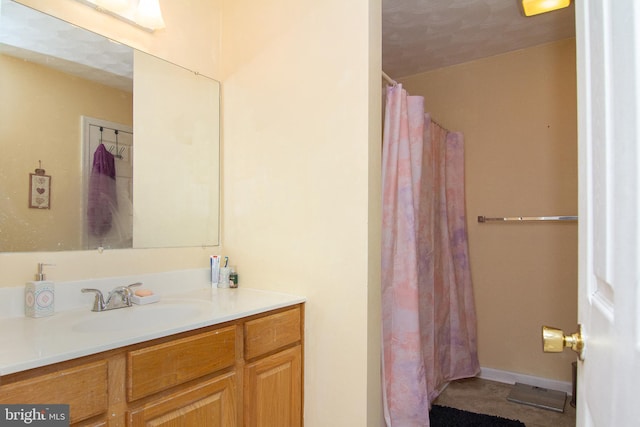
(514, 377)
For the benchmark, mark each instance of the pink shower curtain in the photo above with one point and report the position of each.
(429, 321)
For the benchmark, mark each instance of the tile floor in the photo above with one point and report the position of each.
(490, 397)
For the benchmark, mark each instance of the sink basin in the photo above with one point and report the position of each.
(158, 315)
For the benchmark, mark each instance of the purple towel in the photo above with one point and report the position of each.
(102, 201)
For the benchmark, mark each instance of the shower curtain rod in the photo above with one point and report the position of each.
(388, 79)
(394, 83)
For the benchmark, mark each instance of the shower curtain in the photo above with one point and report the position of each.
(428, 313)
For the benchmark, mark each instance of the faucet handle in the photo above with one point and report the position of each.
(133, 285)
(98, 303)
(130, 287)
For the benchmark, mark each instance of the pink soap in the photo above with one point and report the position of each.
(143, 292)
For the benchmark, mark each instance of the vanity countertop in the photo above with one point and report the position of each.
(30, 343)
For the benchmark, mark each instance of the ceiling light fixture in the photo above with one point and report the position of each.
(148, 14)
(536, 7)
(145, 14)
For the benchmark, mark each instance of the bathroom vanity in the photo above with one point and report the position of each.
(239, 364)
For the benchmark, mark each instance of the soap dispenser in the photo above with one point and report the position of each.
(39, 295)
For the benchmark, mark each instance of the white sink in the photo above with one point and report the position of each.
(158, 315)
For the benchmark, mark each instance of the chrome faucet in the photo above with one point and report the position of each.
(119, 297)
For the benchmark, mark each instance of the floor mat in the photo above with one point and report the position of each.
(539, 397)
(443, 416)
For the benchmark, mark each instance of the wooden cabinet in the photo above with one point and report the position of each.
(162, 366)
(207, 403)
(272, 390)
(272, 332)
(211, 403)
(246, 372)
(273, 373)
(83, 387)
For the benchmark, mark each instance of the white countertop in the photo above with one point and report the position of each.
(30, 343)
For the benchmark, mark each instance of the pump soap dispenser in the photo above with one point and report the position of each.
(39, 295)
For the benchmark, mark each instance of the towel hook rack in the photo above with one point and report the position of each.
(117, 154)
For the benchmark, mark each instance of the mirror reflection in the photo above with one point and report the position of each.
(87, 160)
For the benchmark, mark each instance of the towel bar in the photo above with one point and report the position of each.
(482, 218)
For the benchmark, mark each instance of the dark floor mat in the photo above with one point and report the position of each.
(443, 416)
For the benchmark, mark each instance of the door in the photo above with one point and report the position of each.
(608, 297)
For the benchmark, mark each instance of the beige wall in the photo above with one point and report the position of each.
(41, 111)
(518, 115)
(301, 155)
(301, 180)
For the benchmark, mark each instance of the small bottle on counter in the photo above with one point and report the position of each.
(233, 278)
(39, 295)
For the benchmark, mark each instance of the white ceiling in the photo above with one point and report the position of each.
(423, 35)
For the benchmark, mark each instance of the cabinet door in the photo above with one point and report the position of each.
(83, 388)
(273, 390)
(209, 404)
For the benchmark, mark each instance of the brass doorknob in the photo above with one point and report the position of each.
(554, 341)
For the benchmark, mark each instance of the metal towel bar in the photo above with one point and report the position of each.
(483, 218)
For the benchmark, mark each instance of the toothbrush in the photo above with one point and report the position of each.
(226, 261)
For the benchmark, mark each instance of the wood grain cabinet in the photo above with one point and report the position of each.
(83, 386)
(247, 372)
(273, 373)
(159, 367)
(273, 387)
(211, 403)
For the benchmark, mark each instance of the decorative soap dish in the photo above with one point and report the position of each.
(149, 299)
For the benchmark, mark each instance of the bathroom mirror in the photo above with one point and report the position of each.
(57, 81)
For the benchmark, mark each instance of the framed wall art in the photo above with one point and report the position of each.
(39, 190)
